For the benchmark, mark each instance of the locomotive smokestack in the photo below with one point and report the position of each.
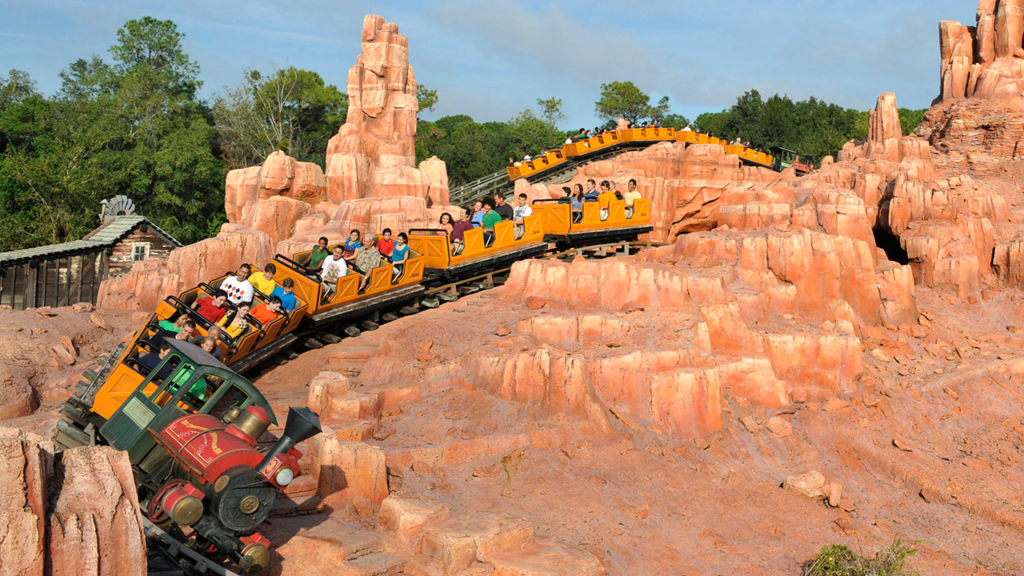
(302, 424)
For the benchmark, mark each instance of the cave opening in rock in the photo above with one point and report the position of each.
(890, 244)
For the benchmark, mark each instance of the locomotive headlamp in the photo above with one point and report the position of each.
(284, 476)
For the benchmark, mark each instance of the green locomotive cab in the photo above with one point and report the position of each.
(186, 381)
(785, 158)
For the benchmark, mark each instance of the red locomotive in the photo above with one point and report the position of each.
(191, 430)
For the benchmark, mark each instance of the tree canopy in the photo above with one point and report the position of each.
(811, 126)
(625, 100)
(291, 110)
(133, 126)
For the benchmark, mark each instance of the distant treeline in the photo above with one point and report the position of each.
(135, 125)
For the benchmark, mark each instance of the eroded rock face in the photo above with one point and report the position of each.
(279, 176)
(82, 518)
(96, 523)
(25, 468)
(374, 153)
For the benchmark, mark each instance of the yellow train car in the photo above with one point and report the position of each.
(476, 254)
(647, 135)
(594, 224)
(598, 143)
(385, 287)
(543, 163)
(686, 136)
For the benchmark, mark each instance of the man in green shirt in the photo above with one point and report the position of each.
(320, 253)
(490, 219)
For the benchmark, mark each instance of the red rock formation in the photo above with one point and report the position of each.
(978, 116)
(279, 176)
(684, 183)
(24, 472)
(96, 523)
(150, 282)
(374, 153)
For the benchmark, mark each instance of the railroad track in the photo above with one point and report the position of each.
(440, 292)
(165, 556)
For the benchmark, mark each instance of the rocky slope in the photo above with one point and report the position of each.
(832, 358)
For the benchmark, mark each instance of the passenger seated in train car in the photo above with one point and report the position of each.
(212, 333)
(527, 158)
(285, 293)
(461, 225)
(519, 214)
(502, 207)
(209, 345)
(445, 223)
(333, 269)
(657, 122)
(386, 245)
(631, 196)
(511, 162)
(264, 281)
(187, 329)
(238, 287)
(688, 128)
(368, 259)
(577, 204)
(148, 362)
(400, 256)
(173, 326)
(351, 246)
(213, 308)
(605, 199)
(320, 253)
(591, 194)
(490, 219)
(477, 216)
(267, 311)
(237, 323)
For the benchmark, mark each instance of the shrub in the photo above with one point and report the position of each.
(838, 560)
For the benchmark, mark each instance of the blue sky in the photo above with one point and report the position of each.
(492, 59)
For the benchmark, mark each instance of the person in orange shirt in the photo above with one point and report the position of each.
(605, 199)
(267, 312)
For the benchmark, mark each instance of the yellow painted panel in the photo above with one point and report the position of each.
(554, 218)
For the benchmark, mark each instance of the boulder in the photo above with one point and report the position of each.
(345, 470)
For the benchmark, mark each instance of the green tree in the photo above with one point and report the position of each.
(677, 121)
(909, 119)
(291, 110)
(15, 87)
(133, 127)
(625, 100)
(427, 98)
(551, 111)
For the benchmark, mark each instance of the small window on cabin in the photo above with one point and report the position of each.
(234, 397)
(140, 251)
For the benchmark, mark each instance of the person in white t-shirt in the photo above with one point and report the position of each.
(519, 214)
(333, 269)
(238, 288)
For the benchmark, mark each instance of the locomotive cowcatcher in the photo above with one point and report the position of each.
(191, 429)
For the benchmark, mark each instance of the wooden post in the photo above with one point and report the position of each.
(77, 284)
(41, 300)
(31, 286)
(104, 264)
